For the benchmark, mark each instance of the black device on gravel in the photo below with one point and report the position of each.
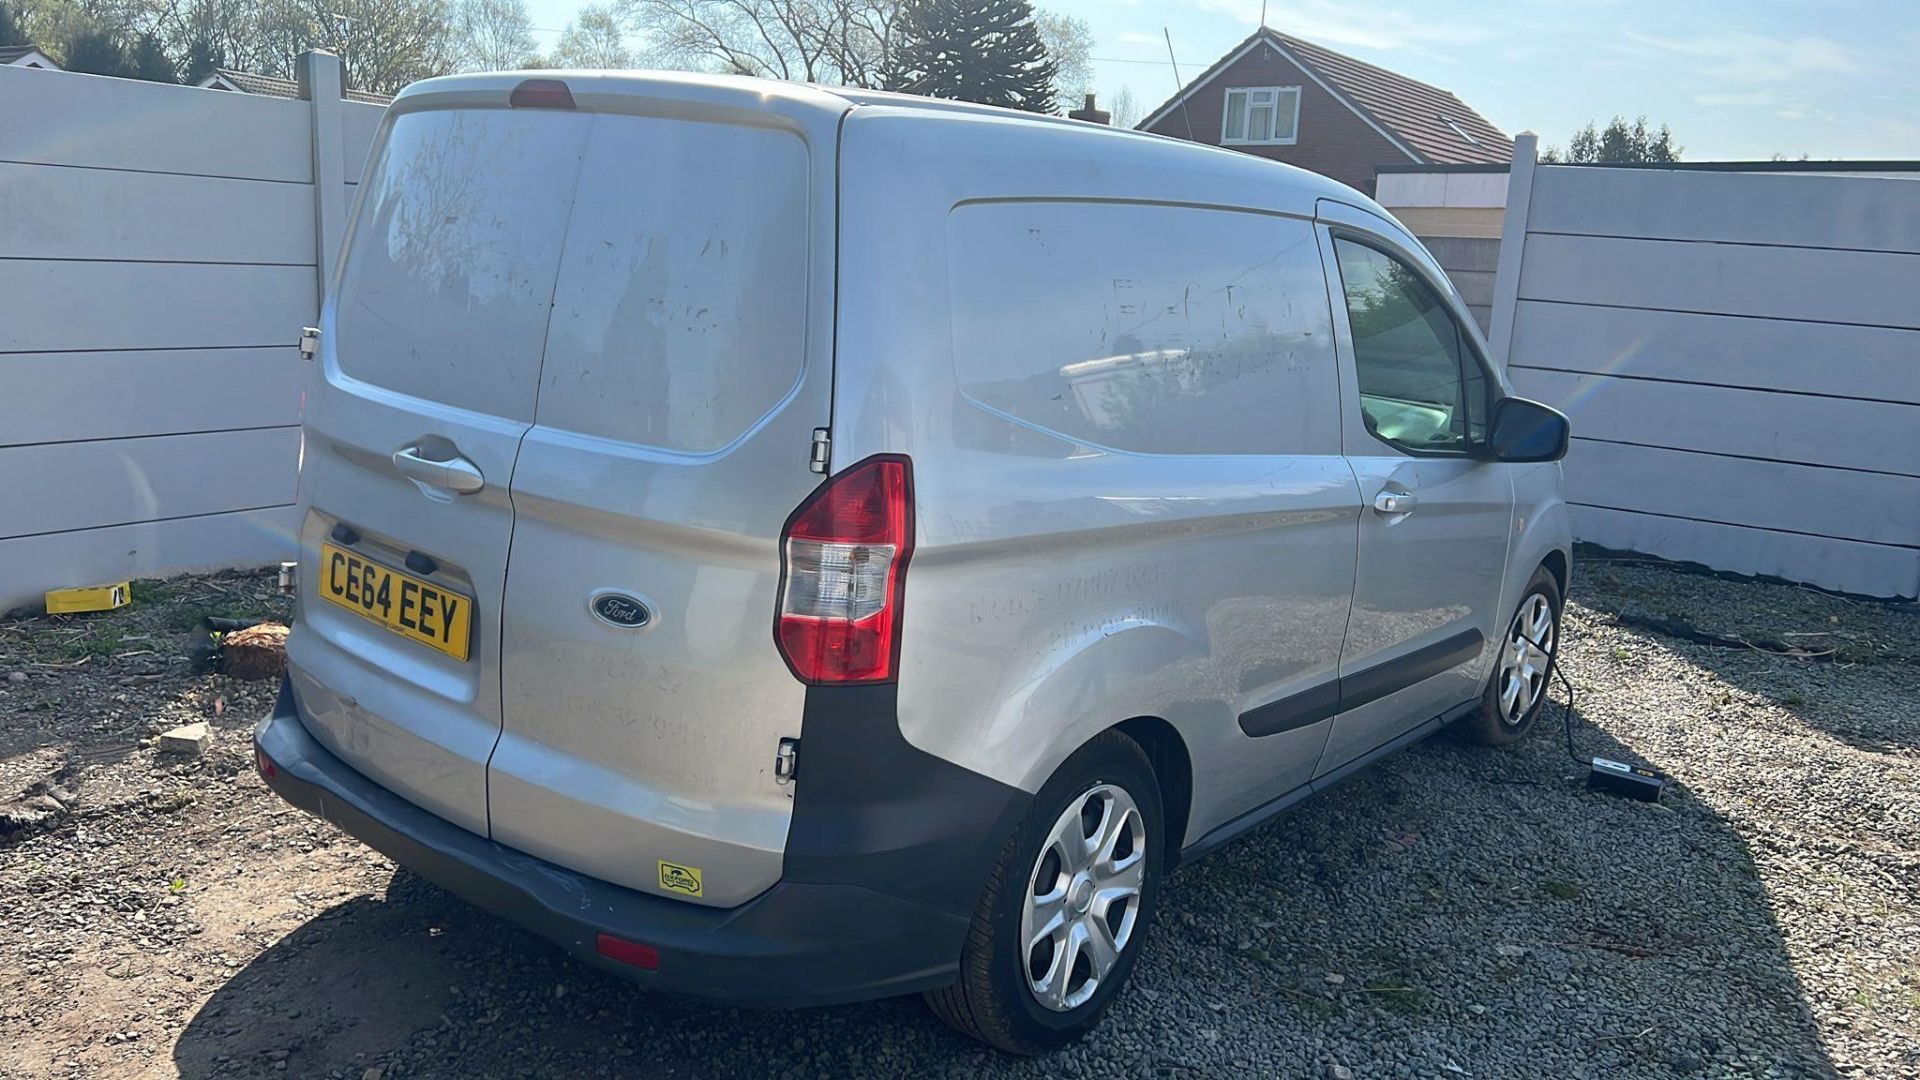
(1606, 774)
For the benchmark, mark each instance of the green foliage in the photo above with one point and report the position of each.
(10, 31)
(98, 52)
(204, 57)
(1621, 143)
(985, 51)
(148, 61)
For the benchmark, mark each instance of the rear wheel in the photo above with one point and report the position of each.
(1517, 691)
(1065, 911)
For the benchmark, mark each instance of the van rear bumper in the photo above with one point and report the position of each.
(798, 943)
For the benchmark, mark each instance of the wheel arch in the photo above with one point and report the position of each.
(1556, 564)
(1172, 769)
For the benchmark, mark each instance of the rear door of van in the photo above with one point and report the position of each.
(430, 364)
(688, 363)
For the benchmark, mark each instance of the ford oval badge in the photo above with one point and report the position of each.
(619, 609)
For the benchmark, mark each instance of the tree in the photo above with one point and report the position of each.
(147, 60)
(985, 51)
(383, 44)
(843, 42)
(10, 32)
(494, 35)
(1620, 144)
(593, 40)
(1125, 110)
(97, 52)
(1069, 43)
(204, 57)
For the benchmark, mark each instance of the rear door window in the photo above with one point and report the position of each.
(449, 273)
(680, 312)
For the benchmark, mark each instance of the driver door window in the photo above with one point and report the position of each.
(1421, 389)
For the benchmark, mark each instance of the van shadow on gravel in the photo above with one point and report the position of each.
(1451, 908)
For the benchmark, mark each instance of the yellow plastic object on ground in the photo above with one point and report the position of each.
(90, 598)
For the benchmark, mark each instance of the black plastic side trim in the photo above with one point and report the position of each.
(1309, 706)
(872, 810)
(1331, 698)
(1397, 674)
(1267, 811)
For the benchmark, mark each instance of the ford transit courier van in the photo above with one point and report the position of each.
(793, 545)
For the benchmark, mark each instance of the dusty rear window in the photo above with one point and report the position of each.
(449, 273)
(680, 312)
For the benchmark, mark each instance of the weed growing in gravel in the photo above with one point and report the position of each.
(1394, 995)
(91, 646)
(1561, 890)
(154, 591)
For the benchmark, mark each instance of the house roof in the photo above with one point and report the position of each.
(12, 53)
(1429, 124)
(273, 86)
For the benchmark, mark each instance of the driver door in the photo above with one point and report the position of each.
(1435, 516)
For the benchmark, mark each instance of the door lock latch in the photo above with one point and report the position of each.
(786, 761)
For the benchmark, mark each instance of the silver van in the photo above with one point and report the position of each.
(793, 545)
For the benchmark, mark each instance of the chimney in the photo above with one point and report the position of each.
(1090, 114)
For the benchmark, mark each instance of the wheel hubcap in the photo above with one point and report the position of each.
(1083, 897)
(1526, 658)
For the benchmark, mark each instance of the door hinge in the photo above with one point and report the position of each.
(822, 450)
(786, 761)
(309, 341)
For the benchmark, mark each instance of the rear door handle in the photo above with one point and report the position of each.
(1395, 503)
(457, 474)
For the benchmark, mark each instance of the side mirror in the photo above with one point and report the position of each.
(1525, 431)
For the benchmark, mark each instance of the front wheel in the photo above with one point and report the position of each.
(1517, 691)
(1065, 912)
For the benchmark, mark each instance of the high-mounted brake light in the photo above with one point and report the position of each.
(541, 94)
(843, 575)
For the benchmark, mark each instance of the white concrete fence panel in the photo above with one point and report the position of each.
(159, 251)
(1740, 355)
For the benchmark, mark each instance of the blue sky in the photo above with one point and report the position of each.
(1736, 79)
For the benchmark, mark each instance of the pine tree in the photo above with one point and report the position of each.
(985, 51)
(147, 60)
(203, 58)
(97, 52)
(10, 32)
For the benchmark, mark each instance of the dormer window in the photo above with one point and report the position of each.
(1261, 116)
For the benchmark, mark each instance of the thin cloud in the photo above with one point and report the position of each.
(1329, 23)
(1743, 57)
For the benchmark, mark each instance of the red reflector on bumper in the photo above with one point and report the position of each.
(264, 763)
(645, 957)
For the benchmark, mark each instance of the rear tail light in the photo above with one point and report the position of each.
(843, 575)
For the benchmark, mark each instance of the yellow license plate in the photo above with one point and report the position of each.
(415, 609)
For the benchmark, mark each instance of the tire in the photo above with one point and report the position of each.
(998, 999)
(1499, 720)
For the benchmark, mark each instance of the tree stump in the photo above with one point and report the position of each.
(258, 652)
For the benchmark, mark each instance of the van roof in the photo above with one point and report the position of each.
(1139, 148)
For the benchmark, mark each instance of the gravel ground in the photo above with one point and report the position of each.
(1451, 912)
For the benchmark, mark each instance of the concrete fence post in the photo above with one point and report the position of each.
(320, 86)
(1513, 245)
